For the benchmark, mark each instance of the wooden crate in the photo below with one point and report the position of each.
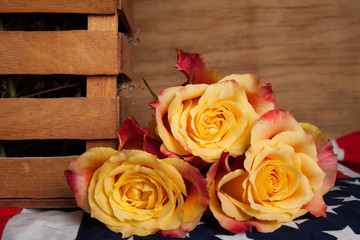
(101, 53)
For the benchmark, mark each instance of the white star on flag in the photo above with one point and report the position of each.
(336, 188)
(330, 209)
(237, 236)
(346, 233)
(347, 171)
(294, 224)
(356, 182)
(348, 199)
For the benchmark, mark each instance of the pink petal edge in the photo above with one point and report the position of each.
(226, 222)
(192, 65)
(328, 163)
(75, 182)
(81, 170)
(316, 206)
(197, 197)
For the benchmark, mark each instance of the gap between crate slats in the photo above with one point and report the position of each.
(59, 6)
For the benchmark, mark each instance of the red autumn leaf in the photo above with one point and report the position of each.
(192, 65)
(131, 135)
(151, 145)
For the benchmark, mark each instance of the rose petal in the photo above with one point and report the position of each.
(326, 158)
(237, 178)
(226, 222)
(259, 94)
(127, 230)
(131, 135)
(316, 206)
(231, 210)
(153, 146)
(197, 195)
(174, 116)
(313, 172)
(167, 153)
(176, 233)
(301, 196)
(211, 174)
(316, 134)
(328, 163)
(182, 230)
(161, 105)
(272, 123)
(171, 170)
(266, 226)
(192, 65)
(239, 226)
(81, 171)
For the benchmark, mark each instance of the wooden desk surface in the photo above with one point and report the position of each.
(308, 50)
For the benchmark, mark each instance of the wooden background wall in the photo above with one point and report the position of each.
(309, 51)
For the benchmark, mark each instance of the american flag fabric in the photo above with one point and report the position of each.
(342, 222)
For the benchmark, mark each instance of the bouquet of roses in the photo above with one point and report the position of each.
(219, 144)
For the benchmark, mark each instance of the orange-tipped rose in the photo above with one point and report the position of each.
(286, 172)
(206, 119)
(133, 192)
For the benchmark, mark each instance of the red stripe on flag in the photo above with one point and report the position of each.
(5, 214)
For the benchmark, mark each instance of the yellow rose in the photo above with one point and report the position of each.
(281, 178)
(134, 193)
(206, 120)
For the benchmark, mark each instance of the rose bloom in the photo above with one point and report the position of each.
(134, 193)
(205, 120)
(286, 171)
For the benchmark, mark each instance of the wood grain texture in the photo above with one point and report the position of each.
(59, 6)
(58, 118)
(34, 178)
(66, 52)
(103, 22)
(39, 203)
(126, 63)
(103, 86)
(309, 51)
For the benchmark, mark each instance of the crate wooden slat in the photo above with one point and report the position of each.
(38, 203)
(103, 86)
(59, 6)
(125, 53)
(38, 178)
(66, 52)
(58, 118)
